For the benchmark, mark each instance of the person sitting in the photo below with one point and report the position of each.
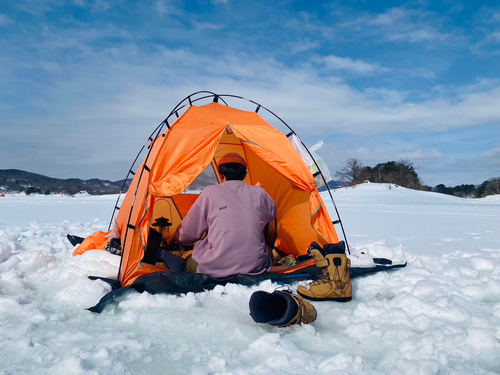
(233, 215)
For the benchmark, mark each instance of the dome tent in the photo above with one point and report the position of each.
(189, 143)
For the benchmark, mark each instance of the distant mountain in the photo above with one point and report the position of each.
(14, 180)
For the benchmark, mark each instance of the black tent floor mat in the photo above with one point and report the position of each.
(181, 282)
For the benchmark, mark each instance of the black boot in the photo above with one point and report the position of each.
(281, 308)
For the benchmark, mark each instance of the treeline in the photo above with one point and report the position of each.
(489, 187)
(395, 172)
(403, 173)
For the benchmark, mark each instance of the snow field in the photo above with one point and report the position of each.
(439, 315)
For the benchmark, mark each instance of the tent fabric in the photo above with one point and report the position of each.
(193, 139)
(96, 241)
(197, 140)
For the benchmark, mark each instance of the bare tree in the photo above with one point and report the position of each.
(350, 173)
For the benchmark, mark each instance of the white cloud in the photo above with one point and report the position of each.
(34, 7)
(121, 87)
(303, 45)
(372, 151)
(358, 66)
(410, 25)
(101, 6)
(207, 26)
(402, 151)
(420, 72)
(391, 97)
(165, 8)
(493, 153)
(48, 66)
(490, 39)
(5, 20)
(420, 155)
(326, 101)
(94, 5)
(390, 17)
(495, 36)
(496, 15)
(422, 34)
(305, 23)
(55, 39)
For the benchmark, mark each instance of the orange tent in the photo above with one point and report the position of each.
(190, 148)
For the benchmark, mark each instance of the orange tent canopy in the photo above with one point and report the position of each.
(195, 142)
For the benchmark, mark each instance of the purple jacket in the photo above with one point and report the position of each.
(234, 215)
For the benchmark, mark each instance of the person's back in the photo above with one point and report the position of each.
(234, 216)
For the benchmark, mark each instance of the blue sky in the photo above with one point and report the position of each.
(84, 82)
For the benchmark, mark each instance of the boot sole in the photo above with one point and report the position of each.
(345, 299)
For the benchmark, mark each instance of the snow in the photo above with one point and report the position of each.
(439, 315)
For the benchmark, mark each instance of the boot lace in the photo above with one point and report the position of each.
(337, 280)
(339, 283)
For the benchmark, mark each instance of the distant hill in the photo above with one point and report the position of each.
(14, 180)
(332, 185)
(17, 181)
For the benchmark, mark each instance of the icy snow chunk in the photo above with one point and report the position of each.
(71, 365)
(99, 263)
(34, 261)
(4, 253)
(16, 247)
(130, 317)
(421, 367)
(411, 305)
(341, 364)
(136, 301)
(216, 363)
(431, 264)
(264, 343)
(83, 293)
(361, 259)
(481, 340)
(496, 311)
(485, 291)
(180, 350)
(198, 370)
(482, 264)
(11, 282)
(381, 250)
(278, 362)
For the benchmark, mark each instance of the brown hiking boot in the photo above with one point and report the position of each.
(281, 308)
(334, 284)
